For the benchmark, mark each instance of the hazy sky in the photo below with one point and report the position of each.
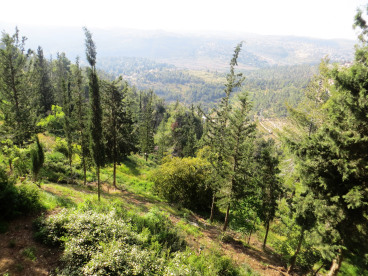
(315, 18)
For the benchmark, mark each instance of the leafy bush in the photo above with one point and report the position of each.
(188, 263)
(55, 167)
(61, 146)
(54, 122)
(15, 201)
(182, 180)
(113, 242)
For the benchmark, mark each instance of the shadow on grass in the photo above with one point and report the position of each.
(131, 165)
(266, 256)
(62, 201)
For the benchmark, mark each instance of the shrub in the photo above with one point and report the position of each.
(212, 263)
(15, 201)
(182, 180)
(104, 243)
(55, 167)
(53, 122)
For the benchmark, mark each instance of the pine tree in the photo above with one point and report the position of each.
(146, 131)
(95, 120)
(267, 179)
(43, 83)
(37, 158)
(15, 91)
(333, 160)
(60, 73)
(80, 116)
(68, 121)
(240, 142)
(118, 124)
(229, 135)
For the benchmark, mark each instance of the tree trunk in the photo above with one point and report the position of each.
(98, 182)
(293, 258)
(84, 171)
(71, 169)
(316, 272)
(265, 239)
(212, 208)
(336, 264)
(251, 230)
(226, 218)
(114, 176)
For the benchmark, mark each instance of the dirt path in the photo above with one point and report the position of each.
(21, 255)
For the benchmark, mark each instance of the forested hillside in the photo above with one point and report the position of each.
(123, 174)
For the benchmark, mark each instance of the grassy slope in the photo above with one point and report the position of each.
(135, 195)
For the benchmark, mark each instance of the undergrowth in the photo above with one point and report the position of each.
(105, 239)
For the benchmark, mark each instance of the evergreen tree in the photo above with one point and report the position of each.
(37, 158)
(43, 83)
(229, 135)
(146, 130)
(240, 143)
(80, 116)
(15, 91)
(68, 121)
(333, 160)
(118, 124)
(95, 120)
(267, 178)
(60, 73)
(306, 219)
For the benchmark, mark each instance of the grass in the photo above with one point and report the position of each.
(189, 228)
(30, 253)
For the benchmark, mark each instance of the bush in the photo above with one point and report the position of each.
(55, 167)
(188, 263)
(112, 242)
(53, 122)
(182, 180)
(15, 201)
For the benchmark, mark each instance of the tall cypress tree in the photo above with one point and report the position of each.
(60, 73)
(81, 116)
(15, 93)
(95, 118)
(37, 158)
(146, 134)
(43, 83)
(68, 121)
(118, 124)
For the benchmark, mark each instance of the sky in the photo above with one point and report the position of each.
(312, 18)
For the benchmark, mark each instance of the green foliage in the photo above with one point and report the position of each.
(53, 123)
(55, 167)
(37, 158)
(18, 158)
(30, 252)
(146, 123)
(42, 82)
(113, 241)
(182, 180)
(16, 201)
(188, 263)
(16, 97)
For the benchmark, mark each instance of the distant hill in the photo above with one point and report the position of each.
(204, 51)
(191, 67)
